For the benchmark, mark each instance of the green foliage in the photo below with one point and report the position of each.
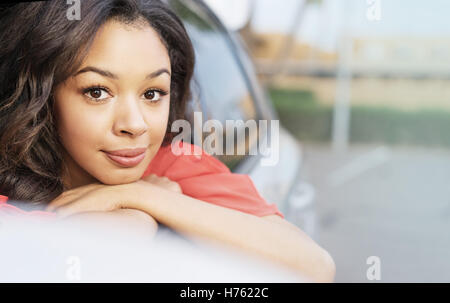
(309, 121)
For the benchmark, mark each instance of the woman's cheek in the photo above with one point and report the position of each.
(81, 126)
(158, 123)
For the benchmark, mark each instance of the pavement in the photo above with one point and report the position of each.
(389, 202)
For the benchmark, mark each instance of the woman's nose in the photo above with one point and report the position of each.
(130, 119)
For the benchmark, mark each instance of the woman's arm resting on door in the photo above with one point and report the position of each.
(135, 221)
(271, 236)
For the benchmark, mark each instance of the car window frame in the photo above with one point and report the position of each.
(263, 108)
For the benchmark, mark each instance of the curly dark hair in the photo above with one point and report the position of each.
(40, 48)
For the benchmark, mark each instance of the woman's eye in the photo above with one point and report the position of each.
(153, 95)
(101, 93)
(95, 93)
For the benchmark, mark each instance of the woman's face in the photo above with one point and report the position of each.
(118, 99)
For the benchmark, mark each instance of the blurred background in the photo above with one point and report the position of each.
(364, 86)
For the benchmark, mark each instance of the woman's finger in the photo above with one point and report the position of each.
(59, 201)
(151, 178)
(163, 182)
(83, 189)
(71, 209)
(68, 196)
(91, 202)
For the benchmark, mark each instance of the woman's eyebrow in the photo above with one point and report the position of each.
(109, 74)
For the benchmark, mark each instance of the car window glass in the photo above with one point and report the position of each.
(219, 88)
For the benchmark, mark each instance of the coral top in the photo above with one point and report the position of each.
(200, 176)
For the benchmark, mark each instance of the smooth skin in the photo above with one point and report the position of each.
(130, 112)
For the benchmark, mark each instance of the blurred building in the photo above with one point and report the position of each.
(406, 57)
(402, 72)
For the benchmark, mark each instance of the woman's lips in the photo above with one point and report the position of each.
(127, 157)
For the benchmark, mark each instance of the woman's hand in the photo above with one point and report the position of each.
(88, 198)
(163, 182)
(97, 206)
(97, 197)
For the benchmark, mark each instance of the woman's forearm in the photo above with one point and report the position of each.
(272, 240)
(125, 220)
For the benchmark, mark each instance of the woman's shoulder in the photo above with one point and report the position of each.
(204, 177)
(184, 159)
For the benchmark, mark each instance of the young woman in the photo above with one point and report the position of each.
(86, 108)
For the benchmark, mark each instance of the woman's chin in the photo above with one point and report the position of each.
(108, 180)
